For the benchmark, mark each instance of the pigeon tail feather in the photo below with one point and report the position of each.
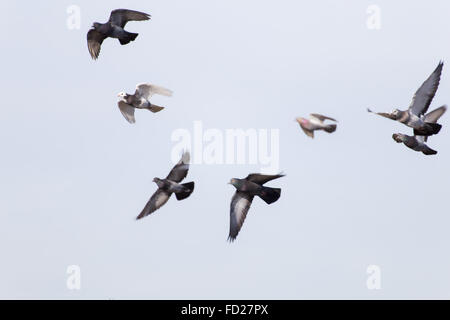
(154, 108)
(428, 151)
(330, 128)
(428, 130)
(127, 37)
(436, 127)
(270, 195)
(184, 194)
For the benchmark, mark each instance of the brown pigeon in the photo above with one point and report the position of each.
(315, 122)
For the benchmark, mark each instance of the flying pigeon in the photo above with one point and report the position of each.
(418, 143)
(113, 29)
(315, 122)
(139, 100)
(414, 116)
(246, 189)
(171, 184)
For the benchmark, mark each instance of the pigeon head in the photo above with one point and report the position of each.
(96, 25)
(396, 113)
(301, 120)
(398, 137)
(158, 182)
(235, 182)
(122, 95)
(155, 180)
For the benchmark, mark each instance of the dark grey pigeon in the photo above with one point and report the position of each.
(246, 190)
(113, 29)
(414, 116)
(418, 143)
(171, 184)
(140, 100)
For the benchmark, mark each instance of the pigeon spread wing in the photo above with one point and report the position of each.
(321, 118)
(157, 200)
(94, 41)
(120, 17)
(383, 114)
(146, 90)
(180, 170)
(262, 178)
(240, 204)
(433, 116)
(423, 96)
(309, 133)
(127, 111)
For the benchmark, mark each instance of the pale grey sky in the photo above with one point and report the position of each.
(75, 174)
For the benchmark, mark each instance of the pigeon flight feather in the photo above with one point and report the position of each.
(114, 28)
(416, 142)
(171, 184)
(246, 190)
(316, 122)
(414, 116)
(140, 100)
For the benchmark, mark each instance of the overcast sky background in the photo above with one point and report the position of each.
(75, 174)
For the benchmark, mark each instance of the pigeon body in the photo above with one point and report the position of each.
(140, 100)
(418, 142)
(316, 122)
(415, 143)
(114, 28)
(414, 116)
(246, 190)
(168, 186)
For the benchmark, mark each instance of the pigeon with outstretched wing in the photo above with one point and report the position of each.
(140, 100)
(246, 190)
(171, 184)
(113, 29)
(316, 122)
(417, 142)
(414, 116)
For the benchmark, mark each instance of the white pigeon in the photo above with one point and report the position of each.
(140, 100)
